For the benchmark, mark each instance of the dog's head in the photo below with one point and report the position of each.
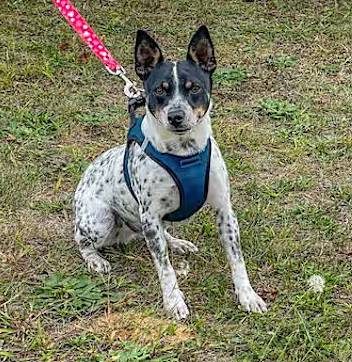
(178, 93)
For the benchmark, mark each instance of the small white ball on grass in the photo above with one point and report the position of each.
(316, 283)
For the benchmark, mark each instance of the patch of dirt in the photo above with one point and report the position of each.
(267, 292)
(344, 253)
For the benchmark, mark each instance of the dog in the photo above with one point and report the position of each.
(128, 193)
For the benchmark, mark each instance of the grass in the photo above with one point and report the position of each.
(282, 116)
(70, 296)
(230, 77)
(281, 62)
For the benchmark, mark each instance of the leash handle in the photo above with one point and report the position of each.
(80, 25)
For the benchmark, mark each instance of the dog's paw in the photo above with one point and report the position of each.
(98, 264)
(182, 246)
(250, 300)
(175, 305)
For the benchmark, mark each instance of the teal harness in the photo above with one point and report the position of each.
(190, 173)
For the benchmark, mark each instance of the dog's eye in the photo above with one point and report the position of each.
(195, 89)
(160, 91)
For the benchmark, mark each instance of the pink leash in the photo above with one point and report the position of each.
(80, 25)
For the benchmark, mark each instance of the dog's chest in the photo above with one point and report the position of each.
(155, 189)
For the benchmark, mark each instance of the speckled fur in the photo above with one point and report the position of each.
(107, 214)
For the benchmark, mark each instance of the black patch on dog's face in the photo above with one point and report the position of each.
(194, 86)
(160, 87)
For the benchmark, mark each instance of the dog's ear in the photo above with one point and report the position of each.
(201, 50)
(147, 54)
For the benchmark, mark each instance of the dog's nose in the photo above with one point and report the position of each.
(176, 117)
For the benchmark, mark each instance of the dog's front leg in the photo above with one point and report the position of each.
(230, 236)
(219, 199)
(154, 234)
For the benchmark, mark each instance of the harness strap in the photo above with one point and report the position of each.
(190, 173)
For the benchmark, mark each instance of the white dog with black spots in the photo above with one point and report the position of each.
(176, 121)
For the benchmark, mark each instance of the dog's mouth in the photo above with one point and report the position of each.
(181, 131)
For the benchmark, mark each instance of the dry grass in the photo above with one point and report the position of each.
(138, 328)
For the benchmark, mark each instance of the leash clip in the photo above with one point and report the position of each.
(130, 89)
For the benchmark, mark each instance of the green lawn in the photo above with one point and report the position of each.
(282, 116)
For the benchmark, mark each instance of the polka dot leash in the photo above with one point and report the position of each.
(80, 25)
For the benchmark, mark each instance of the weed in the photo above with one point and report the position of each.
(49, 207)
(282, 62)
(71, 296)
(25, 125)
(230, 77)
(131, 352)
(278, 109)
